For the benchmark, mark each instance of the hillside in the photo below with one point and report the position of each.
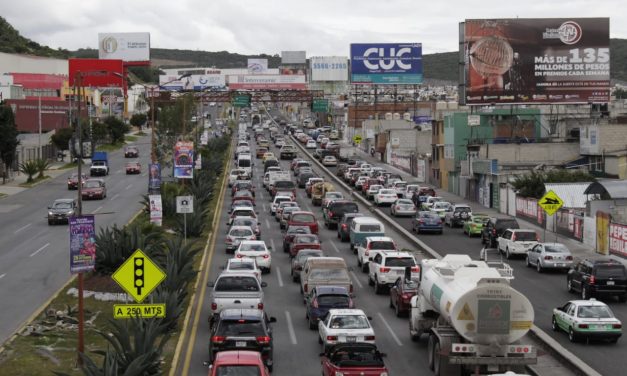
(441, 66)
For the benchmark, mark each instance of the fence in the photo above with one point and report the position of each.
(30, 153)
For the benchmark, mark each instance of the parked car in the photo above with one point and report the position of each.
(587, 319)
(299, 260)
(323, 298)
(353, 359)
(549, 256)
(598, 277)
(345, 325)
(426, 221)
(516, 242)
(61, 210)
(495, 228)
(400, 295)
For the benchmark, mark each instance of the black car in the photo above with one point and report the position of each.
(243, 329)
(336, 209)
(303, 178)
(61, 210)
(598, 277)
(495, 228)
(323, 298)
(343, 227)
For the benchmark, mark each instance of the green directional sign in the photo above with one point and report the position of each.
(241, 100)
(320, 105)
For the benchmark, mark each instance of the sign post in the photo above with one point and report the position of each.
(320, 105)
(241, 101)
(551, 203)
(184, 205)
(357, 139)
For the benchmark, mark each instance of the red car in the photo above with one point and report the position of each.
(94, 189)
(401, 294)
(243, 196)
(72, 181)
(242, 185)
(304, 241)
(133, 168)
(368, 183)
(304, 218)
(290, 233)
(353, 359)
(238, 363)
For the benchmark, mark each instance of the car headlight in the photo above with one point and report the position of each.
(339, 373)
(50, 213)
(384, 374)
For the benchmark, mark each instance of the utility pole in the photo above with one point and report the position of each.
(39, 137)
(81, 315)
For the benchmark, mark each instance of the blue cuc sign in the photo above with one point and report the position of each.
(386, 63)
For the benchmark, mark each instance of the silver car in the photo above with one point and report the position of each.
(549, 256)
(403, 206)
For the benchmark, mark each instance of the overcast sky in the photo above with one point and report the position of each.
(321, 27)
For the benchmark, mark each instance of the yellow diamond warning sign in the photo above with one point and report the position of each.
(465, 313)
(138, 276)
(550, 202)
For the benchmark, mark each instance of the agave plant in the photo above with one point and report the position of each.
(42, 166)
(114, 245)
(174, 306)
(178, 261)
(194, 223)
(29, 168)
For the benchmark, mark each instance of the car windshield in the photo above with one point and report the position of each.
(241, 232)
(328, 274)
(233, 370)
(382, 244)
(306, 218)
(525, 236)
(350, 322)
(400, 185)
(252, 248)
(237, 283)
(335, 301)
(404, 202)
(374, 187)
(428, 215)
(399, 261)
(555, 248)
(62, 205)
(240, 328)
(306, 239)
(92, 184)
(594, 312)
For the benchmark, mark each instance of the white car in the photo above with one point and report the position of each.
(276, 201)
(430, 201)
(243, 265)
(235, 175)
(372, 245)
(410, 189)
(403, 207)
(587, 319)
(440, 208)
(329, 161)
(517, 242)
(236, 235)
(373, 190)
(257, 250)
(311, 144)
(360, 181)
(386, 267)
(345, 325)
(399, 186)
(385, 196)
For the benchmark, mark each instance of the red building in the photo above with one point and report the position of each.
(54, 114)
(49, 86)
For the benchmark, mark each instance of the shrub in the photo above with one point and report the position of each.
(42, 166)
(114, 245)
(29, 168)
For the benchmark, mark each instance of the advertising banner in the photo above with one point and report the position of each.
(184, 160)
(618, 240)
(293, 70)
(194, 82)
(96, 72)
(293, 57)
(154, 177)
(546, 60)
(329, 68)
(257, 66)
(82, 244)
(386, 63)
(156, 209)
(267, 81)
(125, 46)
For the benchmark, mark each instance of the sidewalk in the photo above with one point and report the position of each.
(578, 249)
(12, 187)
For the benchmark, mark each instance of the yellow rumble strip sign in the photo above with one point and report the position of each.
(127, 311)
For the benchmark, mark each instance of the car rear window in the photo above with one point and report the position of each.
(399, 261)
(327, 274)
(241, 266)
(241, 232)
(306, 239)
(237, 283)
(303, 218)
(344, 207)
(335, 301)
(610, 271)
(284, 184)
(507, 224)
(385, 245)
(240, 328)
(243, 163)
(526, 236)
(370, 228)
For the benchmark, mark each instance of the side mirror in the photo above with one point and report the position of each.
(370, 318)
(264, 284)
(383, 355)
(207, 364)
(272, 319)
(369, 258)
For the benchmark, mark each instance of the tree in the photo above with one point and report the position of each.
(8, 136)
(532, 185)
(117, 129)
(61, 138)
(137, 120)
(29, 168)
(99, 133)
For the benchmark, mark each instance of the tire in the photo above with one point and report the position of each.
(312, 325)
(554, 325)
(370, 282)
(378, 289)
(622, 299)
(431, 351)
(572, 337)
(358, 262)
(391, 304)
(527, 262)
(270, 368)
(50, 223)
(436, 359)
(320, 341)
(397, 311)
(507, 254)
(539, 267)
(584, 293)
(365, 269)
(569, 285)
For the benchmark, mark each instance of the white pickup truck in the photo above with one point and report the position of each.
(235, 290)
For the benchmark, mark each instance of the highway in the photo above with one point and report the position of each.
(34, 257)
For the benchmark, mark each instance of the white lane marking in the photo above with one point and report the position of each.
(261, 195)
(277, 271)
(22, 228)
(335, 247)
(2, 275)
(96, 210)
(39, 250)
(290, 328)
(128, 187)
(265, 208)
(272, 245)
(267, 224)
(118, 171)
(357, 280)
(398, 341)
(114, 197)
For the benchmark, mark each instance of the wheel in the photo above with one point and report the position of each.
(312, 325)
(50, 223)
(572, 337)
(320, 341)
(507, 254)
(538, 266)
(397, 311)
(584, 293)
(391, 303)
(358, 261)
(622, 298)
(527, 262)
(436, 359)
(431, 351)
(365, 268)
(378, 289)
(554, 325)
(569, 285)
(270, 367)
(370, 281)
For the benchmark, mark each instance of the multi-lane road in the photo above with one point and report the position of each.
(34, 257)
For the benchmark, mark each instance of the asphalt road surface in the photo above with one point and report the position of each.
(34, 257)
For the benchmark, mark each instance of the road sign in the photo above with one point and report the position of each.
(184, 204)
(146, 311)
(139, 276)
(550, 202)
(320, 105)
(241, 101)
(357, 139)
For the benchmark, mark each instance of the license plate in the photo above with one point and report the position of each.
(610, 283)
(240, 344)
(351, 339)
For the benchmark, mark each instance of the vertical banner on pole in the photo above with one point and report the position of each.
(156, 209)
(82, 244)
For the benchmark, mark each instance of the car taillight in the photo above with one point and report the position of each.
(239, 256)
(415, 269)
(569, 258)
(616, 326)
(314, 303)
(583, 326)
(384, 270)
(264, 340)
(592, 280)
(514, 237)
(331, 338)
(548, 257)
(344, 226)
(369, 338)
(439, 222)
(218, 339)
(266, 256)
(214, 306)
(306, 288)
(494, 231)
(259, 305)
(331, 215)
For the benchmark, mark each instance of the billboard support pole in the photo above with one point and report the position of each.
(81, 315)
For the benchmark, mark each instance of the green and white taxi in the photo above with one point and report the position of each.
(587, 319)
(474, 225)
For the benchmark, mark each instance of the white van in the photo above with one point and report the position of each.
(245, 162)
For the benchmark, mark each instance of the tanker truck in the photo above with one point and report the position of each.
(472, 316)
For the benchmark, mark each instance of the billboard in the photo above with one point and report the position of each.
(329, 68)
(257, 66)
(292, 70)
(184, 160)
(124, 46)
(267, 82)
(194, 82)
(386, 63)
(82, 244)
(293, 57)
(546, 60)
(97, 72)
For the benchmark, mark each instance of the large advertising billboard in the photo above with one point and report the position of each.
(267, 82)
(124, 46)
(546, 60)
(97, 72)
(386, 63)
(184, 160)
(257, 66)
(329, 68)
(193, 82)
(293, 57)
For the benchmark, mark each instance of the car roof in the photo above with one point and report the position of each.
(349, 311)
(592, 302)
(235, 357)
(241, 260)
(67, 200)
(396, 254)
(252, 242)
(379, 239)
(240, 228)
(360, 220)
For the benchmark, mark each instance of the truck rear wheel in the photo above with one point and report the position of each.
(431, 351)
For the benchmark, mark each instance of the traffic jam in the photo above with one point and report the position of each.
(456, 302)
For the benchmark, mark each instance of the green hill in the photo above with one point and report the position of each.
(13, 43)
